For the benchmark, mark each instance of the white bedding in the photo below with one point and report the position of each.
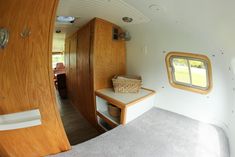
(157, 133)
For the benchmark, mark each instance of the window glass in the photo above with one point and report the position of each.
(198, 73)
(181, 70)
(189, 71)
(57, 58)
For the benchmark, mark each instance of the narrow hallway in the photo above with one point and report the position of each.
(77, 128)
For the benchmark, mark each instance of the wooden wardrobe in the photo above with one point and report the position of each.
(92, 58)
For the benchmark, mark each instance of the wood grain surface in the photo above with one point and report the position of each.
(99, 58)
(26, 78)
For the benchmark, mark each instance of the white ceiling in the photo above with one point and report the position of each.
(209, 17)
(85, 10)
(194, 16)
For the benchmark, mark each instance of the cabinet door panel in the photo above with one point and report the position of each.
(73, 68)
(109, 55)
(85, 81)
(67, 64)
(26, 78)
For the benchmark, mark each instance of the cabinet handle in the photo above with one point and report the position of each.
(20, 120)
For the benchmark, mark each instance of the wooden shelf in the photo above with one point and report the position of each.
(132, 105)
(123, 100)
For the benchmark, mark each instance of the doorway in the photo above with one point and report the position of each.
(77, 128)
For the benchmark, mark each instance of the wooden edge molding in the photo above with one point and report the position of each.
(140, 99)
(148, 89)
(57, 53)
(123, 116)
(121, 105)
(110, 100)
(191, 55)
(64, 137)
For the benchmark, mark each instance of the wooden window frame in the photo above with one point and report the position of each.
(192, 56)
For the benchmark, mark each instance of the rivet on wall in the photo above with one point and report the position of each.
(213, 55)
(163, 51)
(177, 22)
(222, 51)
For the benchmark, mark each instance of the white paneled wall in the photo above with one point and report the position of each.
(146, 56)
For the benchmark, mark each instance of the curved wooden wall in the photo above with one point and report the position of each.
(26, 78)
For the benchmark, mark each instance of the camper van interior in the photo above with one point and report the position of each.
(117, 78)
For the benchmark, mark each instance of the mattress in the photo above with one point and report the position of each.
(157, 133)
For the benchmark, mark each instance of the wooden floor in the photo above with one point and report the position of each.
(76, 126)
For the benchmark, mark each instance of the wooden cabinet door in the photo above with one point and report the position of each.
(26, 78)
(73, 68)
(85, 78)
(109, 55)
(66, 62)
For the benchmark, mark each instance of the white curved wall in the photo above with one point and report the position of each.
(211, 33)
(196, 26)
(145, 56)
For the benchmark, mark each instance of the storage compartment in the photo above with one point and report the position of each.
(114, 111)
(103, 124)
(102, 111)
(131, 105)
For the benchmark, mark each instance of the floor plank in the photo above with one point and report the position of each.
(77, 128)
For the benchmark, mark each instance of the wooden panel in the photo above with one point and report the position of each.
(109, 55)
(85, 92)
(67, 65)
(99, 58)
(73, 68)
(26, 78)
(66, 56)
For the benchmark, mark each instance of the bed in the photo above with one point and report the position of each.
(157, 133)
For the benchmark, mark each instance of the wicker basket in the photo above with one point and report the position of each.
(127, 84)
(114, 111)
